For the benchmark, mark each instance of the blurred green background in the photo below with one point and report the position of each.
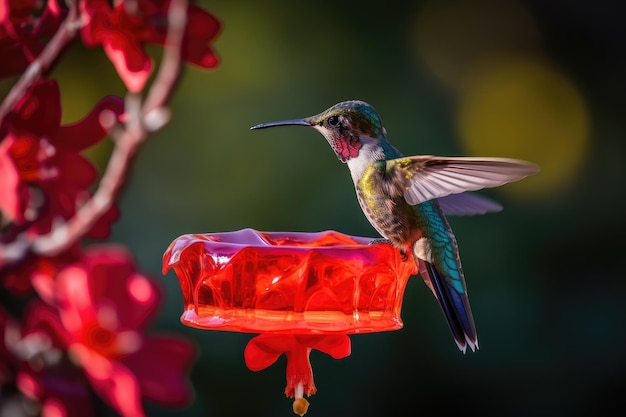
(537, 80)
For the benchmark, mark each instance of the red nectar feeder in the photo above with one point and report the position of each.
(300, 291)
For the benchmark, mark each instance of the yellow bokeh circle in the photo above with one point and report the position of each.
(526, 109)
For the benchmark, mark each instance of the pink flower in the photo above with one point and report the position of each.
(123, 34)
(44, 176)
(104, 306)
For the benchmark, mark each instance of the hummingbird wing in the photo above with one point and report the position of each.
(424, 178)
(467, 204)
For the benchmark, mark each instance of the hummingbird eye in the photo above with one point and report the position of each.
(333, 121)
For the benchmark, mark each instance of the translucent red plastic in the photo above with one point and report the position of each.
(291, 283)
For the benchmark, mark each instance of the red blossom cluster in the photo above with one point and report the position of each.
(73, 316)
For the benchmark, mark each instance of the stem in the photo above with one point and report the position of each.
(170, 68)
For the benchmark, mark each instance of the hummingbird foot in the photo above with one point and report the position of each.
(380, 240)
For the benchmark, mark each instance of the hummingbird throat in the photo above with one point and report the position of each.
(346, 147)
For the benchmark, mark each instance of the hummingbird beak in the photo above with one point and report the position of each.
(293, 122)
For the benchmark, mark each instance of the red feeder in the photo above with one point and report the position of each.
(301, 291)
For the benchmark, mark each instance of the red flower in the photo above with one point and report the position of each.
(123, 33)
(38, 154)
(104, 305)
(61, 390)
(31, 358)
(23, 29)
(263, 350)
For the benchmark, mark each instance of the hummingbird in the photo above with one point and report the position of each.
(406, 199)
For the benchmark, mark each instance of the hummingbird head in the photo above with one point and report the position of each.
(347, 126)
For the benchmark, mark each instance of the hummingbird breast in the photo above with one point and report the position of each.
(386, 209)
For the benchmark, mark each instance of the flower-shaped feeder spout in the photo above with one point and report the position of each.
(301, 291)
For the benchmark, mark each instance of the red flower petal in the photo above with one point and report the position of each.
(10, 194)
(115, 383)
(38, 111)
(50, 19)
(202, 28)
(15, 60)
(43, 318)
(89, 131)
(161, 366)
(102, 228)
(107, 277)
(132, 63)
(97, 16)
(75, 174)
(43, 272)
(123, 36)
(46, 156)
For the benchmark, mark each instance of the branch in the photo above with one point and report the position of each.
(170, 68)
(141, 119)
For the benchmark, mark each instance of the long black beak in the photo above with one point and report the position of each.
(296, 122)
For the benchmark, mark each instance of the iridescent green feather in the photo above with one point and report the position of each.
(444, 247)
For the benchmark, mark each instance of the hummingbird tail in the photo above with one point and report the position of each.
(455, 307)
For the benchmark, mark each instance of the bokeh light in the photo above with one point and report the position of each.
(510, 101)
(527, 110)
